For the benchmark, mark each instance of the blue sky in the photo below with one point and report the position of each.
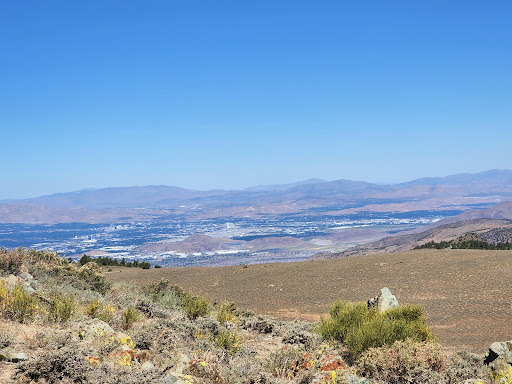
(229, 94)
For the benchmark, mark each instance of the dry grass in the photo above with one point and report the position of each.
(464, 292)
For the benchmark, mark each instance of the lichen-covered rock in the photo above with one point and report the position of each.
(499, 349)
(123, 339)
(499, 360)
(176, 378)
(94, 327)
(383, 301)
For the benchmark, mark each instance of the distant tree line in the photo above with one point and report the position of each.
(469, 244)
(107, 261)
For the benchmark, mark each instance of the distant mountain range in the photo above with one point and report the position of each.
(310, 197)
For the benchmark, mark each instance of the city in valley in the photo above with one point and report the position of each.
(173, 242)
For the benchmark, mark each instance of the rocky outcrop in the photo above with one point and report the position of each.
(383, 301)
(24, 279)
(499, 351)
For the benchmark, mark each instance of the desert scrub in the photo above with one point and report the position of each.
(206, 370)
(283, 362)
(129, 316)
(165, 294)
(404, 362)
(361, 328)
(227, 312)
(11, 261)
(229, 339)
(5, 339)
(49, 264)
(62, 308)
(67, 364)
(195, 306)
(17, 304)
(463, 366)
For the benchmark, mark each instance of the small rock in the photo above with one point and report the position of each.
(148, 366)
(383, 301)
(182, 364)
(11, 281)
(16, 357)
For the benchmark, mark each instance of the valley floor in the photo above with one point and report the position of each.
(466, 293)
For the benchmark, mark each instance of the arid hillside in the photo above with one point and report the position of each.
(464, 292)
(490, 230)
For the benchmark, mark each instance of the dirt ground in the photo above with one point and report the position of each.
(467, 294)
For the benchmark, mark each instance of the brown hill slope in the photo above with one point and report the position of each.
(463, 291)
(407, 242)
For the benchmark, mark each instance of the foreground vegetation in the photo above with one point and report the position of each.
(75, 327)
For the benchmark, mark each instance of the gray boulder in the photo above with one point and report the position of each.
(499, 350)
(383, 301)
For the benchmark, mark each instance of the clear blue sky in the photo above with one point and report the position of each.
(229, 94)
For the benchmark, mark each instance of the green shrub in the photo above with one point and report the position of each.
(162, 288)
(92, 308)
(361, 328)
(92, 274)
(229, 339)
(195, 306)
(17, 304)
(62, 308)
(128, 317)
(227, 312)
(403, 362)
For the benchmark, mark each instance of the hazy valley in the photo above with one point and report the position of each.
(260, 224)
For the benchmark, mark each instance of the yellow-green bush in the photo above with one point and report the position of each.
(229, 340)
(227, 312)
(62, 308)
(361, 328)
(17, 304)
(195, 306)
(129, 316)
(92, 308)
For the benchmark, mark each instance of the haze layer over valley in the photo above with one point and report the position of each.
(173, 226)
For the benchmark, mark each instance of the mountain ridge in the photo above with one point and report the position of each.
(161, 196)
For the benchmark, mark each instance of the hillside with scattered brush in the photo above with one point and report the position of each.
(490, 230)
(63, 322)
